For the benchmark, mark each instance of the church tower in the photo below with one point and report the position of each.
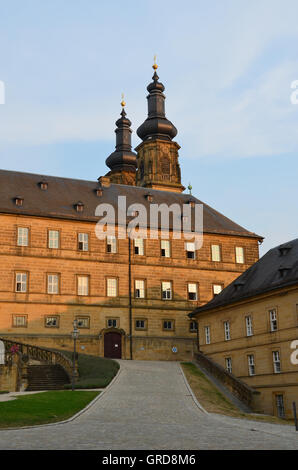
(157, 155)
(122, 162)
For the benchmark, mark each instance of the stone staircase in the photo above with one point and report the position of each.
(46, 377)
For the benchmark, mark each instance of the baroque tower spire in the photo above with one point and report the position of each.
(122, 162)
(158, 165)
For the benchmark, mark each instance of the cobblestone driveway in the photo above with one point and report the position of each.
(149, 407)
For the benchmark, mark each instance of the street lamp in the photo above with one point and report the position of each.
(75, 335)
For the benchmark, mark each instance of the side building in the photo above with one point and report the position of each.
(131, 298)
(251, 328)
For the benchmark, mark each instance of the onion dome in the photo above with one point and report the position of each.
(123, 158)
(156, 126)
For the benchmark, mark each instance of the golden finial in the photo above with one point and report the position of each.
(122, 102)
(155, 66)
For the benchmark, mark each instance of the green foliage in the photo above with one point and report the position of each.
(41, 408)
(94, 372)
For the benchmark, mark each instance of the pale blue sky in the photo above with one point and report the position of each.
(227, 67)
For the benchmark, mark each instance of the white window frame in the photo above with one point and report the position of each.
(251, 364)
(112, 287)
(111, 244)
(54, 239)
(112, 322)
(273, 319)
(190, 248)
(83, 322)
(21, 280)
(215, 253)
(16, 321)
(166, 289)
(276, 362)
(165, 248)
(23, 236)
(227, 330)
(83, 285)
(52, 317)
(139, 246)
(53, 284)
(168, 322)
(83, 241)
(249, 326)
(214, 286)
(139, 288)
(192, 288)
(239, 254)
(207, 334)
(228, 362)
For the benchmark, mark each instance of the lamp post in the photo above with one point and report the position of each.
(75, 335)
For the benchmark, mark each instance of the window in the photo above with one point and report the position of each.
(229, 364)
(139, 246)
(141, 324)
(207, 334)
(273, 320)
(276, 362)
(83, 322)
(215, 253)
(192, 289)
(165, 248)
(139, 289)
(166, 287)
(112, 287)
(23, 236)
(83, 243)
(168, 325)
(19, 321)
(112, 323)
(21, 282)
(53, 239)
(280, 406)
(227, 330)
(193, 326)
(83, 285)
(53, 283)
(248, 322)
(251, 364)
(111, 244)
(190, 250)
(52, 322)
(239, 250)
(217, 288)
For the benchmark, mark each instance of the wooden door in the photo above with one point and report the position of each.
(112, 345)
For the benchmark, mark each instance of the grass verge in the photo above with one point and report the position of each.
(42, 408)
(214, 401)
(94, 372)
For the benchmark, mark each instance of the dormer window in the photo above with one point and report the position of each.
(283, 271)
(238, 285)
(283, 250)
(43, 185)
(79, 206)
(19, 201)
(98, 192)
(149, 197)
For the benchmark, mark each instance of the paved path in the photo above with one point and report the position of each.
(149, 407)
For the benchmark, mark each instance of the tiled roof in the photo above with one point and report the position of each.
(276, 269)
(62, 194)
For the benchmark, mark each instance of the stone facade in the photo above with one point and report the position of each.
(261, 344)
(152, 342)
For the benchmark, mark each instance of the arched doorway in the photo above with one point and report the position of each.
(112, 345)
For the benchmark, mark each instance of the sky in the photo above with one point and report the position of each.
(227, 67)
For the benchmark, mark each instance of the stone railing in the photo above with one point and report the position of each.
(239, 389)
(37, 353)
